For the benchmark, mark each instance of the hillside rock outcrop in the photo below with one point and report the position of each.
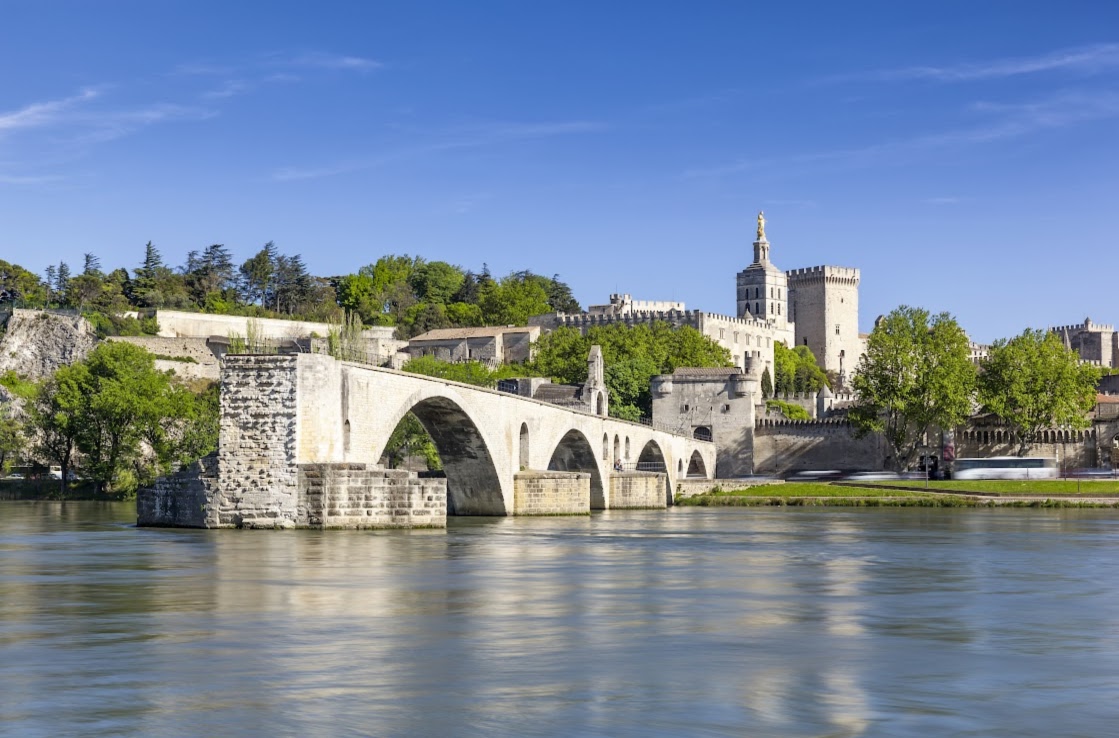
(35, 343)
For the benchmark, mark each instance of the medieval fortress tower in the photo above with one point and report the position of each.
(817, 307)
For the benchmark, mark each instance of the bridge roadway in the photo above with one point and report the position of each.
(345, 412)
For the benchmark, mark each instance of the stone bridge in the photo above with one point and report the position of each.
(290, 422)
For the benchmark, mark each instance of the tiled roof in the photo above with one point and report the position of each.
(706, 371)
(450, 334)
(557, 392)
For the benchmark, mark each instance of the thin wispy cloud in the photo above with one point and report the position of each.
(942, 200)
(1009, 121)
(475, 136)
(106, 125)
(1082, 59)
(28, 180)
(230, 88)
(37, 115)
(320, 60)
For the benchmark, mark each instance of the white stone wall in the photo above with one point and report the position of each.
(824, 302)
(723, 404)
(789, 446)
(551, 493)
(362, 496)
(258, 443)
(637, 491)
(200, 360)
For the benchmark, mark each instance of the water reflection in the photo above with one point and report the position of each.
(715, 622)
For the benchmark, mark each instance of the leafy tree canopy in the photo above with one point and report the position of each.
(916, 375)
(633, 355)
(1033, 382)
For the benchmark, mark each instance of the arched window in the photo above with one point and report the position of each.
(617, 447)
(627, 448)
(346, 437)
(605, 447)
(524, 445)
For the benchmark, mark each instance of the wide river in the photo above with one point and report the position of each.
(738, 622)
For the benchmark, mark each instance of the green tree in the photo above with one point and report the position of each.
(628, 381)
(410, 438)
(436, 282)
(20, 286)
(258, 273)
(111, 405)
(1034, 382)
(421, 318)
(916, 376)
(53, 408)
(513, 300)
(633, 355)
(12, 438)
(767, 383)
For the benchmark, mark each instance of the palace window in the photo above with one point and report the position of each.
(837, 329)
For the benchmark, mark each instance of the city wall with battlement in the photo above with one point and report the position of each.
(787, 446)
(850, 275)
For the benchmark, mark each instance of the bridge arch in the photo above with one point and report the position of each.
(473, 482)
(573, 453)
(696, 467)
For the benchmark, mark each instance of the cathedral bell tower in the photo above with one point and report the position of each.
(762, 289)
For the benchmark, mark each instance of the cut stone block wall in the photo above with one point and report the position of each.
(363, 496)
(638, 491)
(184, 499)
(258, 442)
(780, 448)
(551, 493)
(693, 487)
(199, 362)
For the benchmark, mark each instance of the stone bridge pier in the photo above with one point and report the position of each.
(301, 437)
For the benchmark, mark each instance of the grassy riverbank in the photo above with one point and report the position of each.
(1011, 488)
(843, 495)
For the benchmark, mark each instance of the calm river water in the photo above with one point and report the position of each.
(836, 622)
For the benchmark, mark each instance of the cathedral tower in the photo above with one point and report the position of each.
(763, 292)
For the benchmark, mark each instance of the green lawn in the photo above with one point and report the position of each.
(811, 489)
(878, 494)
(1102, 488)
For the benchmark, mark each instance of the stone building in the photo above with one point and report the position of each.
(818, 307)
(712, 404)
(624, 304)
(492, 345)
(1096, 343)
(824, 304)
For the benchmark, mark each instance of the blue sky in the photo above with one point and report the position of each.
(962, 154)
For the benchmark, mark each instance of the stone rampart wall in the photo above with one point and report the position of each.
(637, 491)
(781, 448)
(201, 362)
(551, 493)
(1078, 454)
(348, 495)
(258, 442)
(184, 499)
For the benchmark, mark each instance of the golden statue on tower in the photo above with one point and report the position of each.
(761, 225)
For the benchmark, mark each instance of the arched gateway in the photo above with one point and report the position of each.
(301, 436)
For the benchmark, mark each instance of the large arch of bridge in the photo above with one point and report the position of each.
(471, 459)
(574, 453)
